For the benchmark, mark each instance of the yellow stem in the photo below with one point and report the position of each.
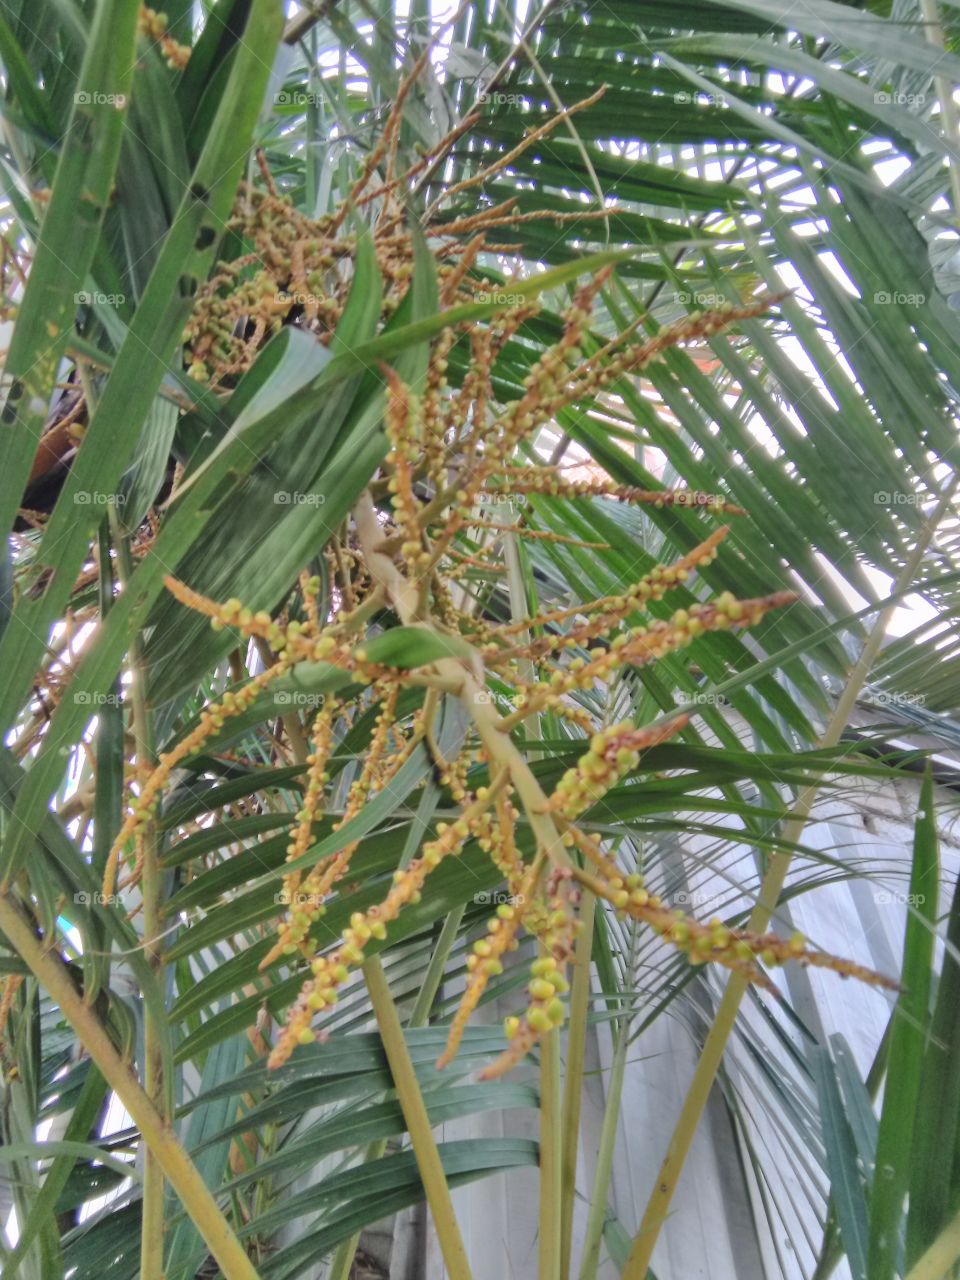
(417, 1121)
(573, 1082)
(183, 1175)
(550, 1152)
(941, 1256)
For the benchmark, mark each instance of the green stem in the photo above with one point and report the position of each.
(551, 1133)
(292, 727)
(597, 1214)
(573, 1081)
(346, 1250)
(435, 970)
(550, 1162)
(183, 1175)
(152, 1206)
(342, 1262)
(715, 1044)
(417, 1121)
(152, 1215)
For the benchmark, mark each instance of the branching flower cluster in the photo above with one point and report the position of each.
(423, 521)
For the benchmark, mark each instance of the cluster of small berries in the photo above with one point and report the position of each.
(612, 754)
(153, 26)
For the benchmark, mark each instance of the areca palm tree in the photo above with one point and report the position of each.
(425, 353)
